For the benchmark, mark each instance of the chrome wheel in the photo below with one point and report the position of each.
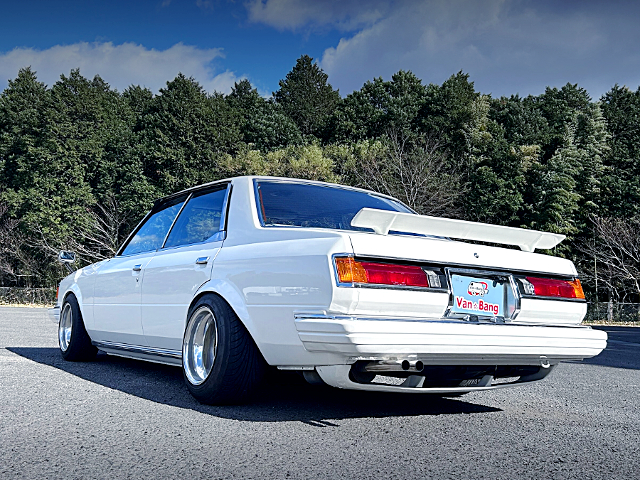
(200, 345)
(64, 327)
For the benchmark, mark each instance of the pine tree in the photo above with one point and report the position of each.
(378, 108)
(183, 132)
(306, 97)
(621, 182)
(264, 125)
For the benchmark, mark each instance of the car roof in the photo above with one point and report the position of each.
(250, 178)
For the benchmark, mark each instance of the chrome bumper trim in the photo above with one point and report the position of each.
(446, 341)
(54, 314)
(459, 321)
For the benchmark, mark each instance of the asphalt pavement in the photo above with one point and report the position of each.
(118, 418)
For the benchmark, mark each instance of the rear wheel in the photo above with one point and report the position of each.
(220, 361)
(73, 339)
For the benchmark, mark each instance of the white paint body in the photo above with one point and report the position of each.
(281, 283)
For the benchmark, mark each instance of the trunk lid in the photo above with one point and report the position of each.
(446, 252)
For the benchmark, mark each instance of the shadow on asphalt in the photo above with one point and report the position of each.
(286, 397)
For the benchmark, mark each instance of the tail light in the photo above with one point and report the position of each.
(549, 287)
(352, 271)
(57, 292)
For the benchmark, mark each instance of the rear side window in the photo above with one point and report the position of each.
(200, 219)
(152, 233)
(317, 206)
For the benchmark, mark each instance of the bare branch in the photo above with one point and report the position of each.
(416, 171)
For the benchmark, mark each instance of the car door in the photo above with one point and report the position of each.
(118, 285)
(182, 266)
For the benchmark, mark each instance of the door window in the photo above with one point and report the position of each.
(200, 219)
(153, 232)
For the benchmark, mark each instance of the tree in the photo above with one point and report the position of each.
(183, 132)
(45, 172)
(414, 170)
(379, 106)
(616, 249)
(621, 184)
(554, 186)
(559, 107)
(264, 123)
(306, 97)
(496, 171)
(296, 161)
(449, 111)
(523, 123)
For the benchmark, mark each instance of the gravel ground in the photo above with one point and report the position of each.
(117, 418)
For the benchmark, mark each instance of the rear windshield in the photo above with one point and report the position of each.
(316, 206)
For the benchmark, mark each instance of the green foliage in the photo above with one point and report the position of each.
(621, 182)
(80, 162)
(378, 108)
(306, 97)
(183, 131)
(305, 161)
(496, 173)
(263, 123)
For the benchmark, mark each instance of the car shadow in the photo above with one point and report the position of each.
(623, 348)
(286, 396)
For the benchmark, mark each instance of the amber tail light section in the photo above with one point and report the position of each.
(353, 271)
(549, 287)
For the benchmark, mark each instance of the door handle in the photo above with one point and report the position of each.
(137, 268)
(202, 260)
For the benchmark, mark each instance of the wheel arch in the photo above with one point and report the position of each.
(75, 290)
(234, 299)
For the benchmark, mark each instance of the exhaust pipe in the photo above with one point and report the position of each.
(380, 366)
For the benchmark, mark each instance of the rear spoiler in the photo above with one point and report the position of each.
(382, 221)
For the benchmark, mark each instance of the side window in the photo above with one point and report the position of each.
(200, 219)
(152, 233)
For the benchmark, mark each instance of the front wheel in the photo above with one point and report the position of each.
(220, 361)
(73, 339)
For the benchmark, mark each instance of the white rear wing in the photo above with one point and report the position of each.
(382, 221)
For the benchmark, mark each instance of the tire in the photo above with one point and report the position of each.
(73, 339)
(220, 361)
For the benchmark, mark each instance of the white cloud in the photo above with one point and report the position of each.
(295, 14)
(120, 65)
(507, 46)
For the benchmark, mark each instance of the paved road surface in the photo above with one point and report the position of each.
(116, 418)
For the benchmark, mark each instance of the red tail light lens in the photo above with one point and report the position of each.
(353, 271)
(549, 287)
(57, 292)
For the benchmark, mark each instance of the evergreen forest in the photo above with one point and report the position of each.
(81, 163)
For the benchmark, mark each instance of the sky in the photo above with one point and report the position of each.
(506, 46)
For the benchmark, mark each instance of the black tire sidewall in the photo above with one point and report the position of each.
(213, 381)
(222, 385)
(80, 347)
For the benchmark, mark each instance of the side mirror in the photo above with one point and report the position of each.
(67, 258)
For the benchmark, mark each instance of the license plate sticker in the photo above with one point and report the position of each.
(477, 296)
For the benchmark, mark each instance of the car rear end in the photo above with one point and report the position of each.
(414, 312)
(424, 314)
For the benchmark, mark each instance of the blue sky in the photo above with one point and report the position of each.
(507, 46)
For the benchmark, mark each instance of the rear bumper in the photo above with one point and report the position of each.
(54, 314)
(446, 342)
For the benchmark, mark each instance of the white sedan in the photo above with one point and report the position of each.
(350, 287)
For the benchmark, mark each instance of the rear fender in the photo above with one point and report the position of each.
(230, 295)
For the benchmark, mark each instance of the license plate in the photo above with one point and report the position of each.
(477, 296)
